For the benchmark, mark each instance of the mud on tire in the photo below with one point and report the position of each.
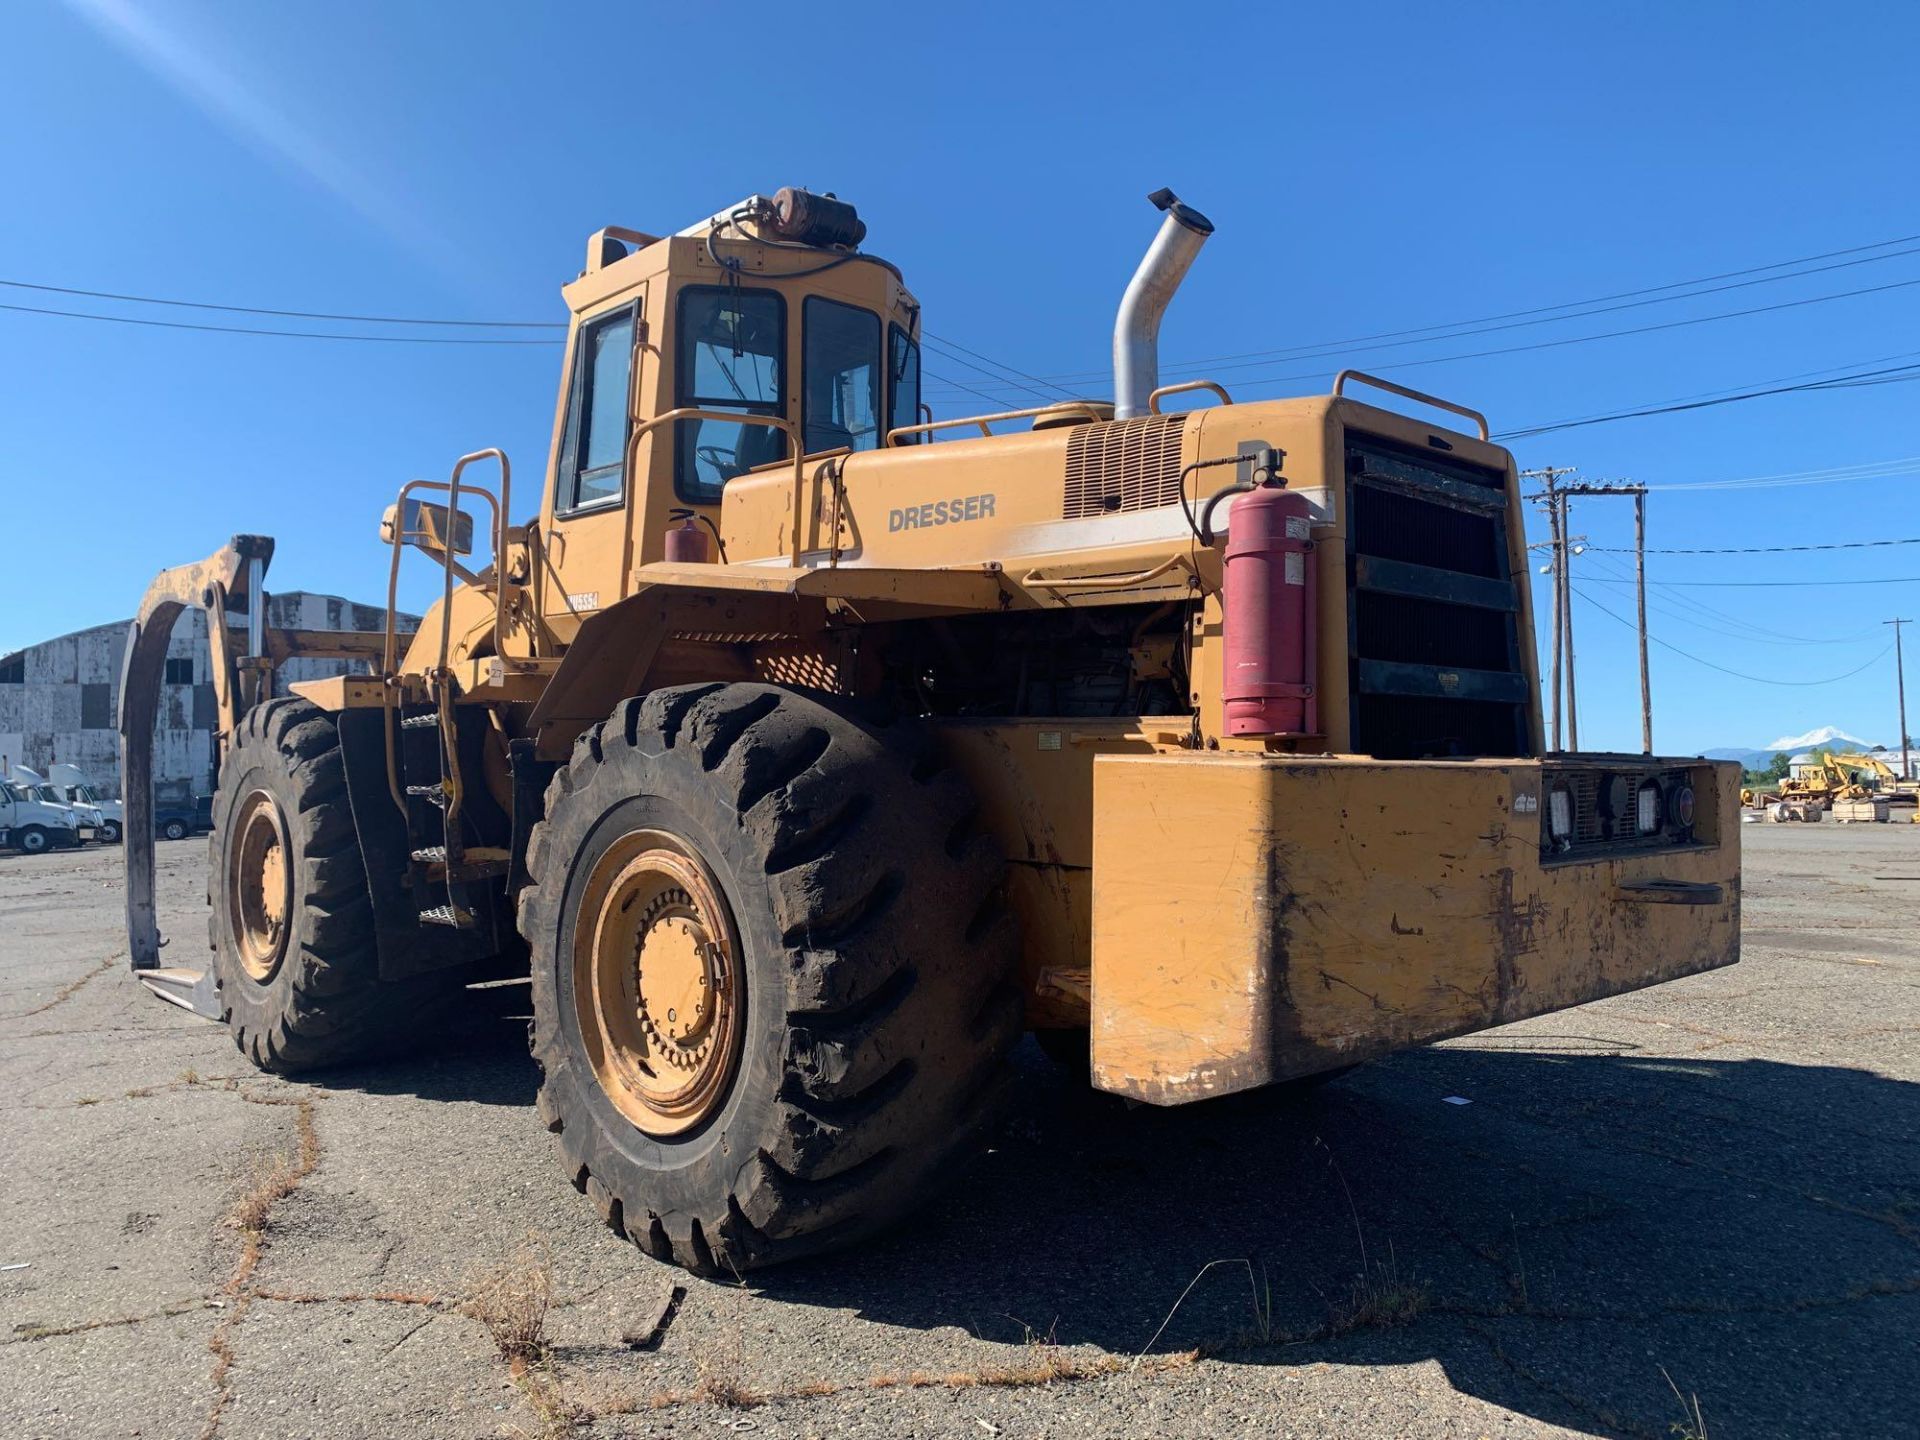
(324, 1003)
(878, 959)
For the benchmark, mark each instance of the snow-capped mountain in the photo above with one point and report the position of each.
(1827, 737)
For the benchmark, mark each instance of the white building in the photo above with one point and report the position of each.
(60, 699)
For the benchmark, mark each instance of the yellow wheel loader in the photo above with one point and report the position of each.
(807, 750)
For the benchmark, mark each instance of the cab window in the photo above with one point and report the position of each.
(595, 453)
(841, 376)
(903, 381)
(730, 355)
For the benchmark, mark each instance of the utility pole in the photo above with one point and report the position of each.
(1549, 476)
(1639, 494)
(1640, 588)
(1900, 680)
(1566, 626)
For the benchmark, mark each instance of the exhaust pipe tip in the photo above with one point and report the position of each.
(1178, 209)
(1136, 328)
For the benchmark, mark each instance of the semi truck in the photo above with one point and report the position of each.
(34, 824)
(70, 783)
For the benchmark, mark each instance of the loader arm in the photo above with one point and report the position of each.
(234, 573)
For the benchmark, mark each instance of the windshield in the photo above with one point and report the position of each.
(12, 791)
(87, 793)
(48, 794)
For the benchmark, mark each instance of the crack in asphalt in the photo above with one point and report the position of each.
(68, 991)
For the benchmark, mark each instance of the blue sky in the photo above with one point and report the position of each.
(1371, 169)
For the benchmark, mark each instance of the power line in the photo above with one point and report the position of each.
(1767, 584)
(1762, 549)
(1453, 328)
(1832, 475)
(1722, 390)
(1348, 348)
(1738, 675)
(283, 334)
(1901, 372)
(1698, 613)
(1614, 334)
(942, 343)
(990, 399)
(982, 370)
(1888, 376)
(282, 314)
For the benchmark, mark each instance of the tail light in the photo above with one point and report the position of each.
(1647, 808)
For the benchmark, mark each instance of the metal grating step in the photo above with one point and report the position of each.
(482, 862)
(446, 915)
(419, 722)
(433, 794)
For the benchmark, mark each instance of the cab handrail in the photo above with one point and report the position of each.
(748, 417)
(1153, 400)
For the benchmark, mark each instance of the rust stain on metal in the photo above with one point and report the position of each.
(1514, 935)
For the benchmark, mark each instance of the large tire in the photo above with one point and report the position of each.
(876, 952)
(319, 1001)
(34, 841)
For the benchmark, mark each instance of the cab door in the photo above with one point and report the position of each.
(590, 497)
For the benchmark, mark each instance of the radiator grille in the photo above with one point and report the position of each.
(1121, 465)
(1433, 643)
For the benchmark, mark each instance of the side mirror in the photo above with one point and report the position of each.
(429, 527)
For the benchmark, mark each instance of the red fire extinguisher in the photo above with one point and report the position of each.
(1268, 609)
(686, 542)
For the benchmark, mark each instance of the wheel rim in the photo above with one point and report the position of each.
(259, 885)
(658, 987)
(33, 842)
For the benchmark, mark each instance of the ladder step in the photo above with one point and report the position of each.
(446, 915)
(430, 793)
(419, 722)
(472, 855)
(480, 862)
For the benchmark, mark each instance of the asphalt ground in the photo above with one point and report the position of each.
(1704, 1193)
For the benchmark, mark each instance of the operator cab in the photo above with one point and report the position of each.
(767, 312)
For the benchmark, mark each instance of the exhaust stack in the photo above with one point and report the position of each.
(1136, 329)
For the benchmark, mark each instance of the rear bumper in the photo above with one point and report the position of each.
(1260, 918)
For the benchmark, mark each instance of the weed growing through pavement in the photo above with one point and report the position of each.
(723, 1376)
(512, 1301)
(1692, 1425)
(1379, 1299)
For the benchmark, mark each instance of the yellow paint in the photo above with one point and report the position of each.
(1256, 919)
(1223, 912)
